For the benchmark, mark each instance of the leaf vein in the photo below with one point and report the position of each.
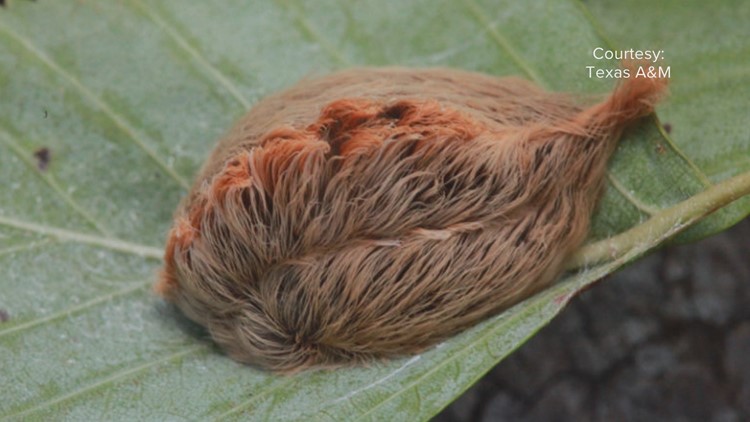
(52, 183)
(193, 50)
(640, 205)
(74, 310)
(111, 379)
(69, 235)
(668, 139)
(117, 119)
(306, 27)
(24, 247)
(275, 385)
(481, 17)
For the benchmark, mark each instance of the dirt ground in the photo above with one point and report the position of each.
(666, 339)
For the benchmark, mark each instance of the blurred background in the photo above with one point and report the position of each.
(666, 339)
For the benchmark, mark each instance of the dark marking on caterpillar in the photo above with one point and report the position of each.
(45, 114)
(43, 157)
(4, 315)
(373, 213)
(667, 127)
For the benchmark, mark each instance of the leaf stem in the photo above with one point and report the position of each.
(665, 223)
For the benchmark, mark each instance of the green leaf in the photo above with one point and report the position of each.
(128, 97)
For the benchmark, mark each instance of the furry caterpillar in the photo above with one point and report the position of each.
(375, 212)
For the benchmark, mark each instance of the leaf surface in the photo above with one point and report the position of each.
(129, 96)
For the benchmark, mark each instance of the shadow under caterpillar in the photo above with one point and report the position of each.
(375, 212)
